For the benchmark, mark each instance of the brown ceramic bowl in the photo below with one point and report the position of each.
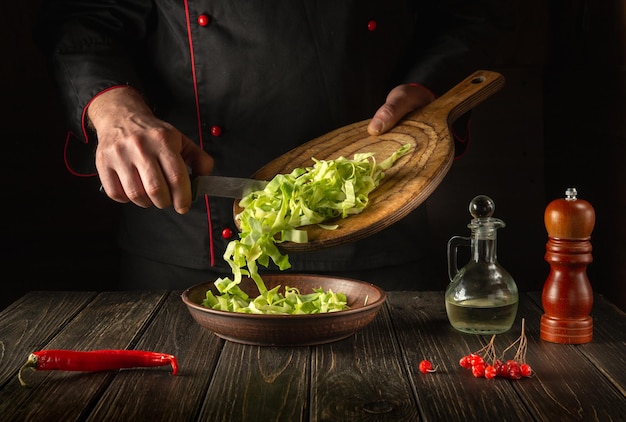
(364, 300)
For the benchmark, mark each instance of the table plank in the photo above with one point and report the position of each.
(254, 383)
(157, 395)
(30, 322)
(110, 321)
(362, 378)
(450, 393)
(559, 390)
(607, 349)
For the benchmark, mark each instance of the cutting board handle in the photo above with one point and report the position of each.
(466, 95)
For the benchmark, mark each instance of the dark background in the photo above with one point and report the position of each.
(559, 122)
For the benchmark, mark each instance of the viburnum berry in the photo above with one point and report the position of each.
(476, 359)
(515, 373)
(466, 362)
(490, 372)
(426, 367)
(525, 370)
(502, 370)
(478, 370)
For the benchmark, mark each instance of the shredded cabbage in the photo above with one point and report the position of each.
(328, 190)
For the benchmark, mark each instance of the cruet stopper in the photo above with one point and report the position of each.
(567, 296)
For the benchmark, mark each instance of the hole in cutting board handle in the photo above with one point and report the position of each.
(478, 80)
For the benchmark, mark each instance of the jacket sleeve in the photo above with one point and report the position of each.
(91, 46)
(455, 38)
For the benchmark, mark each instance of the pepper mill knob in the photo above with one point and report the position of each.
(567, 295)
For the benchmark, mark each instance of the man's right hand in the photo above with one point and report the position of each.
(140, 158)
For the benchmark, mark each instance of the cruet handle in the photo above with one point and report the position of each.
(453, 245)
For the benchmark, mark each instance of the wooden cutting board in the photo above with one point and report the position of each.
(412, 178)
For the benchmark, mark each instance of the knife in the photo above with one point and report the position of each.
(227, 187)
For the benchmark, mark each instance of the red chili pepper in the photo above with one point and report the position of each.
(95, 360)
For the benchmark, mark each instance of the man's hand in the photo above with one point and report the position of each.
(402, 100)
(140, 158)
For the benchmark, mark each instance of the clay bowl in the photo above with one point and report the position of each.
(364, 299)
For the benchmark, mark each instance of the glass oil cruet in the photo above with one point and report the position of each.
(482, 297)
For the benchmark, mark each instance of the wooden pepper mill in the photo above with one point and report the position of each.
(567, 296)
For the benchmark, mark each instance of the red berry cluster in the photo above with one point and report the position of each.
(486, 363)
(511, 369)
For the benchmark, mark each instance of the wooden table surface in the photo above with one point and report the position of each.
(372, 375)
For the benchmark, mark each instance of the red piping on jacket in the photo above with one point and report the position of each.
(466, 141)
(83, 124)
(193, 73)
(210, 226)
(68, 138)
(198, 116)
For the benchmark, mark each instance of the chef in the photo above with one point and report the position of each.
(154, 89)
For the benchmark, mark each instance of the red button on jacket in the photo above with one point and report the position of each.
(204, 20)
(216, 130)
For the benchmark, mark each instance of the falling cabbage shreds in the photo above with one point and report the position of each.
(328, 190)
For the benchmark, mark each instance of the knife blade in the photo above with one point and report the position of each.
(223, 186)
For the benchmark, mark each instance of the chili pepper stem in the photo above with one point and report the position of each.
(31, 363)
